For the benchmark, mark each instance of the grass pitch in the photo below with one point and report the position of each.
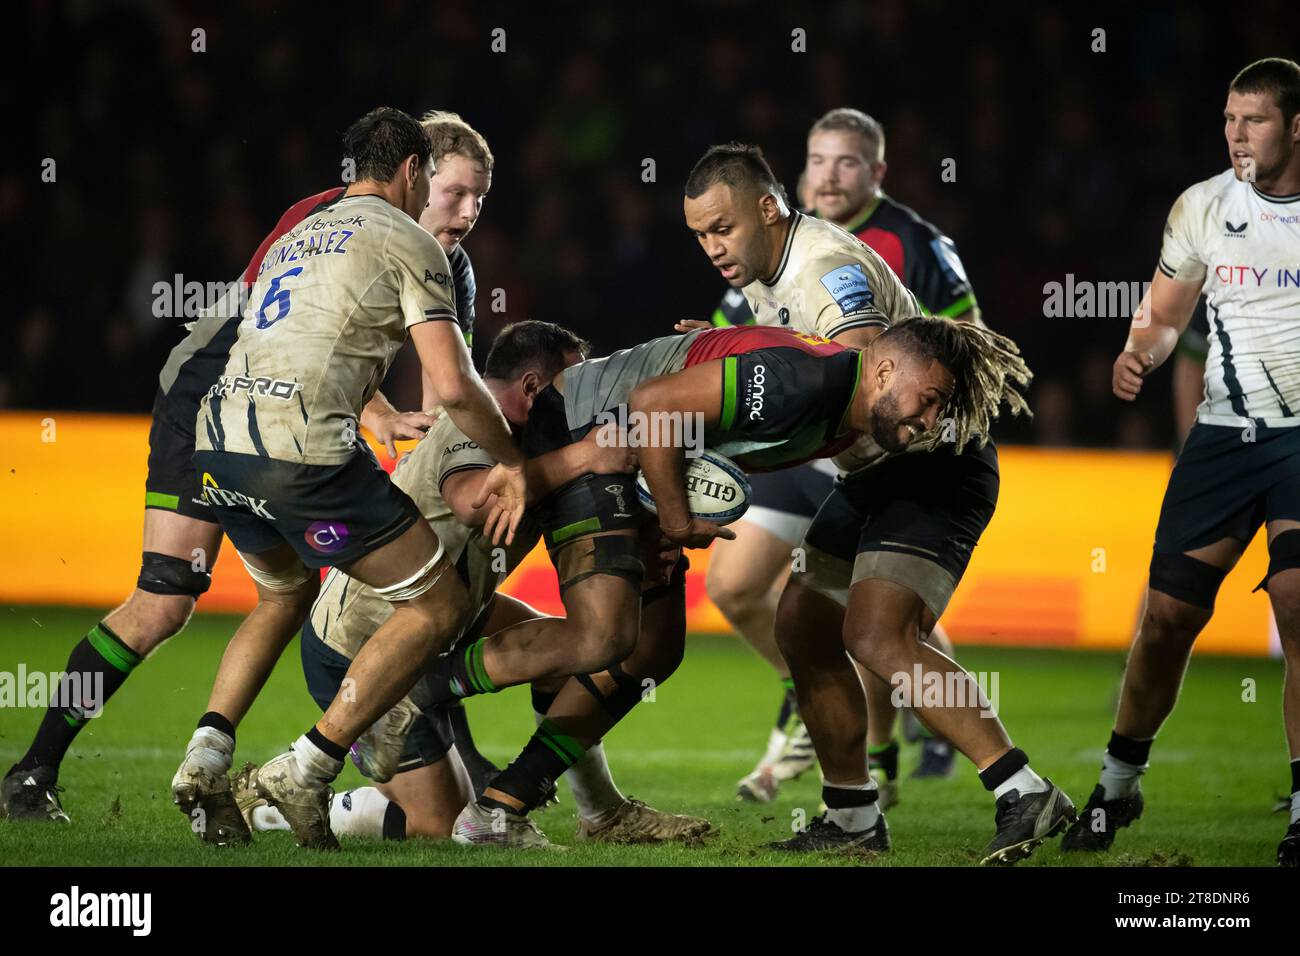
(1216, 770)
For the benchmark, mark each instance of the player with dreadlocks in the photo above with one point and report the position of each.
(882, 558)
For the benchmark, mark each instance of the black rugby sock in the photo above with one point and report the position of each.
(884, 757)
(97, 667)
(546, 756)
(789, 706)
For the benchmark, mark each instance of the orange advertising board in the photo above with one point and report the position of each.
(1062, 564)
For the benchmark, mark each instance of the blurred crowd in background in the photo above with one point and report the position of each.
(170, 161)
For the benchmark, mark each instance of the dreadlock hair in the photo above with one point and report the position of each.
(986, 368)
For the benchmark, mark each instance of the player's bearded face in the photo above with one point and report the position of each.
(892, 430)
(1260, 142)
(841, 176)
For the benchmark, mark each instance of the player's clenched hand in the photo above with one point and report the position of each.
(689, 325)
(1130, 368)
(606, 452)
(511, 489)
(698, 534)
(394, 426)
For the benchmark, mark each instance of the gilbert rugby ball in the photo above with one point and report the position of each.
(716, 489)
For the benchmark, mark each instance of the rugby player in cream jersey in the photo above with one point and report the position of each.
(294, 487)
(841, 182)
(884, 554)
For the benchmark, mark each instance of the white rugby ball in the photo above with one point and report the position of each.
(716, 489)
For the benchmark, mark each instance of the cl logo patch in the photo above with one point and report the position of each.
(327, 537)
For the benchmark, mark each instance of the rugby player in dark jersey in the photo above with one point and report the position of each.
(181, 536)
(888, 547)
(841, 183)
(822, 398)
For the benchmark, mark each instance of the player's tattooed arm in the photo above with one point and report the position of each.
(692, 391)
(389, 426)
(1160, 319)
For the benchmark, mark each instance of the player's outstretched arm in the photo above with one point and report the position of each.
(1159, 320)
(692, 391)
(470, 406)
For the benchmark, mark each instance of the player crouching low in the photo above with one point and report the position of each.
(421, 782)
(768, 398)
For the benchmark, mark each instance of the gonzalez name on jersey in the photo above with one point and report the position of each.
(326, 315)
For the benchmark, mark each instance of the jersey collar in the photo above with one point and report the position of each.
(1294, 197)
(796, 217)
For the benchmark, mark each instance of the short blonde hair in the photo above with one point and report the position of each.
(449, 134)
(849, 120)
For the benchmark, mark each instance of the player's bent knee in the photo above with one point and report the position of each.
(1185, 579)
(156, 618)
(606, 646)
(883, 644)
(868, 650)
(733, 594)
(1167, 620)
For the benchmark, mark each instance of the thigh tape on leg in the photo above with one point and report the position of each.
(289, 580)
(617, 554)
(1186, 579)
(164, 574)
(825, 574)
(417, 583)
(1283, 555)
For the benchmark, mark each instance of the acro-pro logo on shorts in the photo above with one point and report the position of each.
(215, 495)
(327, 537)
